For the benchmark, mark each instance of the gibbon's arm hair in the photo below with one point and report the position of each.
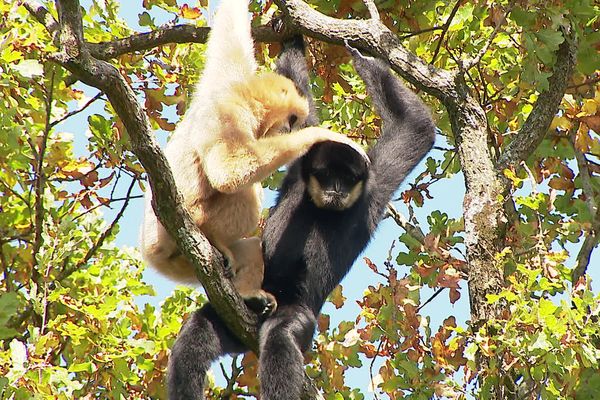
(407, 135)
(291, 63)
(231, 167)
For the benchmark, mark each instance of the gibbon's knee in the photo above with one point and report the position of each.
(202, 339)
(283, 339)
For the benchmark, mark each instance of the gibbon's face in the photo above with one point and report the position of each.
(335, 175)
(286, 110)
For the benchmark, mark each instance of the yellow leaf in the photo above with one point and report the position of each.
(561, 122)
(590, 107)
(190, 12)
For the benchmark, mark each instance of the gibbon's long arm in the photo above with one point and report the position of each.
(230, 167)
(408, 132)
(230, 51)
(292, 64)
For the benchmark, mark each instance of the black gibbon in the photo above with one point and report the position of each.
(228, 141)
(329, 206)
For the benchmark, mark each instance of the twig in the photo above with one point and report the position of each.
(40, 180)
(75, 112)
(402, 221)
(373, 364)
(470, 63)
(590, 81)
(430, 299)
(373, 12)
(445, 28)
(407, 34)
(107, 232)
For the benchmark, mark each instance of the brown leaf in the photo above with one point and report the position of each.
(323, 323)
(336, 297)
(592, 121)
(454, 295)
(370, 264)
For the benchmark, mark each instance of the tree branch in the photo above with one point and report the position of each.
(370, 35)
(591, 239)
(42, 15)
(404, 223)
(535, 127)
(170, 34)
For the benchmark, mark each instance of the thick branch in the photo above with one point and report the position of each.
(42, 15)
(374, 37)
(170, 34)
(167, 201)
(535, 127)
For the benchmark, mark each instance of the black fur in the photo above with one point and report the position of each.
(292, 64)
(309, 250)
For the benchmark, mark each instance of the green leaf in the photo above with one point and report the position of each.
(551, 38)
(9, 55)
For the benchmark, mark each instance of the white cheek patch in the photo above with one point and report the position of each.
(315, 192)
(353, 196)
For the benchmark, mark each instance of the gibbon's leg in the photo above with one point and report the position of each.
(261, 157)
(249, 273)
(284, 337)
(202, 339)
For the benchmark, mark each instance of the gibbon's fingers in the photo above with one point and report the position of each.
(355, 52)
(229, 169)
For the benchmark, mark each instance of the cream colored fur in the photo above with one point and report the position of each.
(228, 141)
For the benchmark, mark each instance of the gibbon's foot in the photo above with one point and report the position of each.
(261, 302)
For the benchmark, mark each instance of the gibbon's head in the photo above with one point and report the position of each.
(335, 175)
(285, 109)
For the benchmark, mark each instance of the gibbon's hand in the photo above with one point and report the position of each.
(261, 157)
(323, 135)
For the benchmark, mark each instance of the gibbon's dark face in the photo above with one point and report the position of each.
(335, 175)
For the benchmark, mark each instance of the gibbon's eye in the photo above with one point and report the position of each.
(292, 120)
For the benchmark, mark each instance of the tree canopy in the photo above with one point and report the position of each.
(514, 90)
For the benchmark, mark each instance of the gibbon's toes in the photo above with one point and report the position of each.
(353, 50)
(270, 307)
(261, 302)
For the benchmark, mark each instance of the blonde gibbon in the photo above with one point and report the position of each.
(230, 139)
